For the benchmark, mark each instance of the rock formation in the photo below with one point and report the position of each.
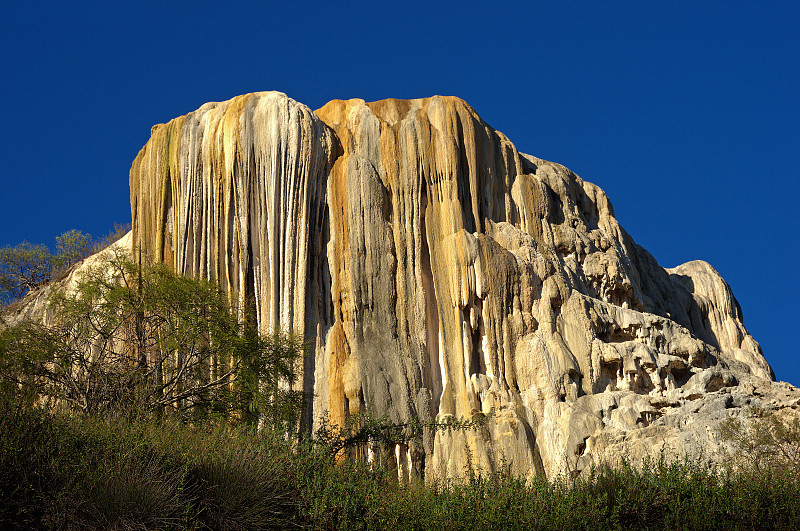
(438, 271)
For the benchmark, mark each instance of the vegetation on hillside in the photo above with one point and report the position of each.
(105, 472)
(25, 267)
(141, 339)
(152, 402)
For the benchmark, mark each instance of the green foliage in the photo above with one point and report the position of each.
(114, 473)
(261, 392)
(72, 246)
(119, 230)
(25, 267)
(143, 340)
(339, 494)
(110, 473)
(764, 442)
(658, 495)
(22, 268)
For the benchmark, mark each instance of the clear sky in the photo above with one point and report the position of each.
(686, 113)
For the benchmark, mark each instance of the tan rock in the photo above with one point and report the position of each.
(439, 272)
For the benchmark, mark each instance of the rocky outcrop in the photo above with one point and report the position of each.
(438, 272)
(235, 192)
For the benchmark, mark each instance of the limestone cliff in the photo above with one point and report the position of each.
(235, 192)
(440, 272)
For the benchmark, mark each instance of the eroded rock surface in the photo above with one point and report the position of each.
(440, 272)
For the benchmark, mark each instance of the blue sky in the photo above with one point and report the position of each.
(686, 113)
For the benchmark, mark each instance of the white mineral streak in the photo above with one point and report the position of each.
(439, 272)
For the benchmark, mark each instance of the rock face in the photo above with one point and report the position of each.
(440, 272)
(235, 192)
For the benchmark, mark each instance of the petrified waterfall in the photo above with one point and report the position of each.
(234, 192)
(440, 272)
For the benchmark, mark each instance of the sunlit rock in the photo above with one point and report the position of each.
(438, 272)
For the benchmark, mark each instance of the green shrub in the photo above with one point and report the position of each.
(764, 441)
(244, 485)
(111, 472)
(131, 493)
(144, 340)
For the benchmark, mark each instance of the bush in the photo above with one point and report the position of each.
(144, 340)
(114, 473)
(764, 441)
(25, 267)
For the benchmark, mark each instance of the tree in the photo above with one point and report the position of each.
(72, 246)
(23, 268)
(26, 267)
(142, 339)
(765, 441)
(114, 234)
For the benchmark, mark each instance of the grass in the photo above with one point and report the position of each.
(105, 473)
(93, 473)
